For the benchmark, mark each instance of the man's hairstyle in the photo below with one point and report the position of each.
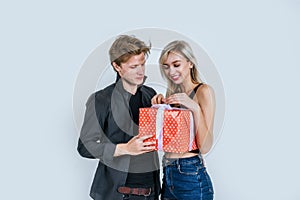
(124, 47)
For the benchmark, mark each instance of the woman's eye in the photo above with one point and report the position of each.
(165, 66)
(176, 65)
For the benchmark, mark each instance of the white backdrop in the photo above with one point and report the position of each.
(255, 46)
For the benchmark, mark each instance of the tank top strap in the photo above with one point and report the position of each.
(195, 90)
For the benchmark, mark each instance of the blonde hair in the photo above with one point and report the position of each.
(184, 49)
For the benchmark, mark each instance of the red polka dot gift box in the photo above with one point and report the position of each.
(172, 128)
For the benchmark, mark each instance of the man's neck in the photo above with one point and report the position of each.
(129, 87)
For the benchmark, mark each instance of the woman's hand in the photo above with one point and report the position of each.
(158, 99)
(183, 99)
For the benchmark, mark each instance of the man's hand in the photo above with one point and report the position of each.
(135, 146)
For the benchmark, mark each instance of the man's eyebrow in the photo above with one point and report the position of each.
(138, 64)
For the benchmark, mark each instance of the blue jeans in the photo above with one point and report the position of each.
(186, 179)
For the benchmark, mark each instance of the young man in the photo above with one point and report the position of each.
(128, 167)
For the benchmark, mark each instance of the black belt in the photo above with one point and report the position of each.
(135, 191)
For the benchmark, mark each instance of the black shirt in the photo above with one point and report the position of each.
(144, 179)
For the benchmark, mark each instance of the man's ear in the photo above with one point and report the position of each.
(116, 67)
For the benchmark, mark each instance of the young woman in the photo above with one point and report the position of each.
(185, 175)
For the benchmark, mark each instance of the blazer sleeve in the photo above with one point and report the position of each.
(93, 142)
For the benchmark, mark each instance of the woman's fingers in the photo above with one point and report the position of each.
(157, 99)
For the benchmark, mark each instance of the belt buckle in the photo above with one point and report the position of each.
(146, 195)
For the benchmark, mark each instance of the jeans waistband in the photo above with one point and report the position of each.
(183, 161)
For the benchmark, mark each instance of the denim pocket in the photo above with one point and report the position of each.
(190, 169)
(206, 183)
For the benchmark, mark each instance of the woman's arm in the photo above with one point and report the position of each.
(204, 117)
(203, 108)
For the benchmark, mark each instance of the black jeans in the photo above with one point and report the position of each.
(138, 197)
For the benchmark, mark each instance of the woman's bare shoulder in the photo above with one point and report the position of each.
(205, 93)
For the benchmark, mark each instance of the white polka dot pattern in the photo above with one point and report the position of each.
(147, 123)
(176, 129)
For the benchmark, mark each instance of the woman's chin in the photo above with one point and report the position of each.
(176, 81)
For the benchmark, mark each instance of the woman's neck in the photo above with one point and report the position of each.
(187, 87)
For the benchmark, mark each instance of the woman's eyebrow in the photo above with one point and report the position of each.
(175, 61)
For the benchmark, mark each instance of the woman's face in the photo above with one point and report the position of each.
(177, 68)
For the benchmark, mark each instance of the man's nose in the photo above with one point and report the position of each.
(141, 69)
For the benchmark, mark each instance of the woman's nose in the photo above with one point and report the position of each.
(172, 70)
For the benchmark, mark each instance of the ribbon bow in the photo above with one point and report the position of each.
(160, 122)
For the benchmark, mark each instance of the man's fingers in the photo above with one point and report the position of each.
(145, 137)
(148, 148)
(149, 143)
(135, 137)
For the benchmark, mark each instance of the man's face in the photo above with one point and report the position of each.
(132, 72)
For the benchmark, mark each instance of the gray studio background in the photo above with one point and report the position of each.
(254, 45)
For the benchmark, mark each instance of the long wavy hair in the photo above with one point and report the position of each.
(184, 49)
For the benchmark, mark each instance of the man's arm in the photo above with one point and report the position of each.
(92, 142)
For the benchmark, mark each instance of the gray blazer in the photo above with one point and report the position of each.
(107, 122)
